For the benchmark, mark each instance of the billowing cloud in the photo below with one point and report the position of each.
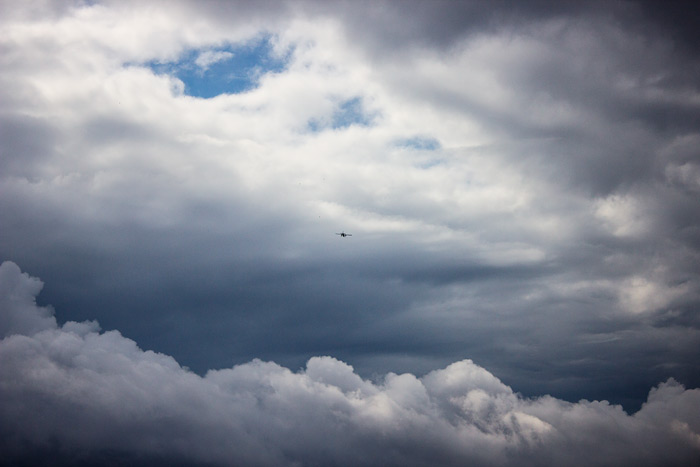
(71, 394)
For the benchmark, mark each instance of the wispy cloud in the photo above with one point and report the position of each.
(209, 57)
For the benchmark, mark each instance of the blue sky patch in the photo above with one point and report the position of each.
(231, 69)
(420, 143)
(349, 112)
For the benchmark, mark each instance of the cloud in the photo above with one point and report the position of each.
(521, 182)
(71, 394)
(20, 314)
(209, 57)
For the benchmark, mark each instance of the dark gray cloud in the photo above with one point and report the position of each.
(32, 138)
(72, 395)
(20, 313)
(395, 26)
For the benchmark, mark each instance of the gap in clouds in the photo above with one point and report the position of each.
(422, 143)
(346, 113)
(229, 69)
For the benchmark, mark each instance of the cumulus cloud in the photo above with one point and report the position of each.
(20, 314)
(72, 394)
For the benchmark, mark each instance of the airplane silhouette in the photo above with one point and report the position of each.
(343, 234)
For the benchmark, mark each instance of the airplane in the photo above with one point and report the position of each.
(343, 234)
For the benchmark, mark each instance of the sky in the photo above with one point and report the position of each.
(521, 181)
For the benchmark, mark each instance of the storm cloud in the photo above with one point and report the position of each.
(521, 182)
(73, 395)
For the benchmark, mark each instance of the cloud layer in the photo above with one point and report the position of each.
(73, 395)
(521, 183)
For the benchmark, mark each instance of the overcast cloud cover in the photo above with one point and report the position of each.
(522, 182)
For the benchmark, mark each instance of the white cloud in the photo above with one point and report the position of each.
(92, 393)
(639, 294)
(207, 58)
(258, 141)
(623, 215)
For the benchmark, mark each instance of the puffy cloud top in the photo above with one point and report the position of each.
(20, 314)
